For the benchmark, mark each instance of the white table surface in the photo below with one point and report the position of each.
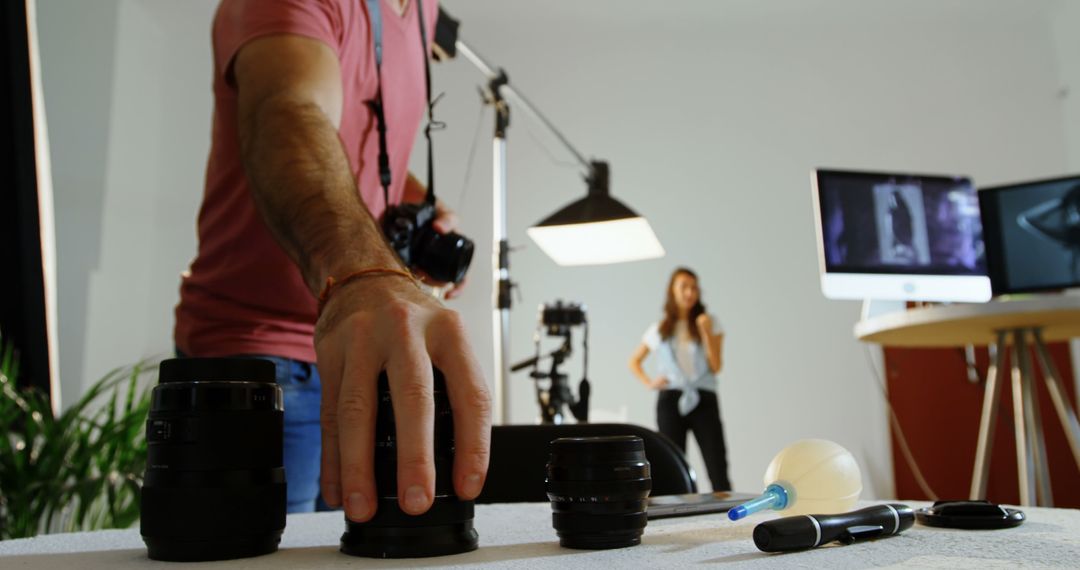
(520, 536)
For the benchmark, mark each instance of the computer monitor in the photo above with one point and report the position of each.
(895, 236)
(1033, 235)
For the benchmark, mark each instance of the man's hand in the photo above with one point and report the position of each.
(387, 323)
(446, 220)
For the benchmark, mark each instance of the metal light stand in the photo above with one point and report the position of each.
(498, 88)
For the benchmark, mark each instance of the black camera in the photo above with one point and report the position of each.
(447, 527)
(215, 481)
(444, 257)
(558, 318)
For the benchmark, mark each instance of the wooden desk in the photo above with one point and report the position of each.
(959, 325)
(1005, 324)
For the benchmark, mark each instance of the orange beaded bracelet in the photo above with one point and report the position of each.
(333, 284)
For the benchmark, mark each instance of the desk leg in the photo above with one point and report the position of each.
(1025, 468)
(1033, 420)
(988, 421)
(1059, 396)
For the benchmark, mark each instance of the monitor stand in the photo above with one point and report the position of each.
(876, 307)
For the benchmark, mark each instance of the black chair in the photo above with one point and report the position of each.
(519, 454)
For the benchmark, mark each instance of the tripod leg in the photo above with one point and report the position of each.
(1059, 396)
(1033, 419)
(988, 421)
(1025, 467)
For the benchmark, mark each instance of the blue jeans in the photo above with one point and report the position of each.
(302, 393)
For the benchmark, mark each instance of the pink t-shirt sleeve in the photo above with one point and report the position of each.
(240, 21)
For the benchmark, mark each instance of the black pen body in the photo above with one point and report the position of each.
(809, 531)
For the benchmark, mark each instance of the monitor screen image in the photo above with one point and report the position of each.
(1033, 234)
(899, 236)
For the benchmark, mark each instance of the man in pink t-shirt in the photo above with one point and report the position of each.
(291, 199)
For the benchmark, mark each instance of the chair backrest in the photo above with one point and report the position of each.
(519, 454)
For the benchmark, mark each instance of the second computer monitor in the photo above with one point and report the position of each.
(1033, 234)
(899, 237)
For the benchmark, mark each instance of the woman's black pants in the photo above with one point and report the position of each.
(704, 421)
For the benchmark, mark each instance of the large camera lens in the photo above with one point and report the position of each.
(447, 528)
(598, 488)
(215, 483)
(445, 257)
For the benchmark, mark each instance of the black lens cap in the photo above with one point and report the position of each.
(217, 369)
(970, 515)
(598, 444)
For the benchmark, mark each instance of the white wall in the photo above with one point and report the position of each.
(1066, 22)
(77, 85)
(127, 90)
(712, 115)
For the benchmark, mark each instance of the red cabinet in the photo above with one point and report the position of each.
(939, 409)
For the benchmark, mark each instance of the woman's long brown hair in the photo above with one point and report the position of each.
(671, 309)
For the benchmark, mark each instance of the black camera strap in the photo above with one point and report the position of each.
(375, 15)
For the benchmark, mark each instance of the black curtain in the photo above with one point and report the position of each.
(22, 280)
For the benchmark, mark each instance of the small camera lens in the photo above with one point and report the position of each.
(447, 528)
(214, 487)
(598, 487)
(445, 257)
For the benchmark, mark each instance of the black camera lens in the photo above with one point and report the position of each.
(598, 488)
(446, 528)
(445, 257)
(408, 229)
(215, 482)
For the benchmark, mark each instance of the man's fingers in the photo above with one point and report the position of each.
(445, 221)
(411, 381)
(470, 402)
(457, 288)
(356, 408)
(330, 367)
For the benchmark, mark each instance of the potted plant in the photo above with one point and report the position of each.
(80, 470)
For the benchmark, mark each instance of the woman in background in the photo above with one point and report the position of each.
(688, 344)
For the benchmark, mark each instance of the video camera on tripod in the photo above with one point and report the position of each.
(558, 320)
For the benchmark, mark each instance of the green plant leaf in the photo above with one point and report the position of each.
(80, 470)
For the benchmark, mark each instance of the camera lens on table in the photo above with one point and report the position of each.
(446, 528)
(214, 487)
(598, 487)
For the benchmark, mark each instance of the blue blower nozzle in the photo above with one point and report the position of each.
(776, 497)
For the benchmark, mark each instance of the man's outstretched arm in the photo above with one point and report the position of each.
(290, 102)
